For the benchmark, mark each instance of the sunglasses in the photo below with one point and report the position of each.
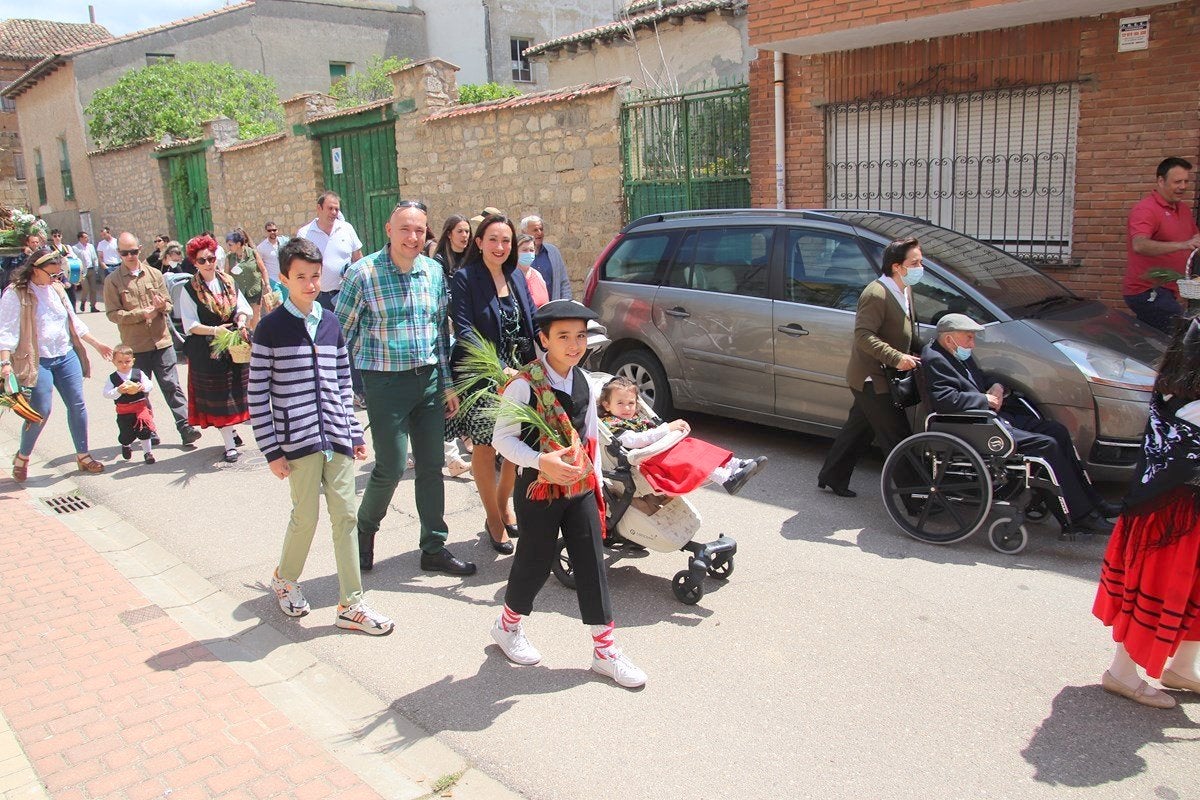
(127, 253)
(272, 230)
(209, 260)
(417, 204)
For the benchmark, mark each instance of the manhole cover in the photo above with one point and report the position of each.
(67, 503)
(136, 616)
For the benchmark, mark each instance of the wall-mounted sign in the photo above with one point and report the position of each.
(1133, 33)
(335, 158)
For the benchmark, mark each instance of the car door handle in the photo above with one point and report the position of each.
(677, 311)
(795, 329)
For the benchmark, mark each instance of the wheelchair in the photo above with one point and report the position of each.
(941, 485)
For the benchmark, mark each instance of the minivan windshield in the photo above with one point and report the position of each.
(1005, 280)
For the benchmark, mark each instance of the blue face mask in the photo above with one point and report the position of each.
(962, 353)
(913, 276)
(525, 259)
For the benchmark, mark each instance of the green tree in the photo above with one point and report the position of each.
(177, 97)
(372, 84)
(479, 92)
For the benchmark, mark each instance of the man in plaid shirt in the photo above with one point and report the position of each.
(392, 306)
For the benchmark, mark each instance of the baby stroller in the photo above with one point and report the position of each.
(638, 519)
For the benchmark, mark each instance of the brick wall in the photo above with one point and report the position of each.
(774, 20)
(1135, 109)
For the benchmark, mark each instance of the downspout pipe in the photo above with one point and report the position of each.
(780, 145)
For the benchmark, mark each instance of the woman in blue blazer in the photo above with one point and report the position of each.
(490, 300)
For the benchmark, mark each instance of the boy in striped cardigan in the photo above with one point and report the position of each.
(301, 406)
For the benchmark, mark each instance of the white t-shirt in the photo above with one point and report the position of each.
(270, 255)
(107, 251)
(337, 250)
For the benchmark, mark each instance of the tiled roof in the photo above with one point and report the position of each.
(652, 14)
(346, 112)
(28, 39)
(551, 96)
(255, 142)
(56, 58)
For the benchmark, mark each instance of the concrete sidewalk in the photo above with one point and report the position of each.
(109, 696)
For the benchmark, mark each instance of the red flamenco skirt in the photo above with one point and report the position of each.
(1150, 596)
(684, 467)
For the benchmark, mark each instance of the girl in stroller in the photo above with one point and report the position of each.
(687, 464)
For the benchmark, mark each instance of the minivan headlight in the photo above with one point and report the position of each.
(1107, 367)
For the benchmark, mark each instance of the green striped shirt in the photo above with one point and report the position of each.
(396, 321)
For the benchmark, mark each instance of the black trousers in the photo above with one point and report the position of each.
(873, 417)
(540, 522)
(127, 433)
(161, 364)
(1050, 440)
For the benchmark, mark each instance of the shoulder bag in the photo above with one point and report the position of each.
(903, 386)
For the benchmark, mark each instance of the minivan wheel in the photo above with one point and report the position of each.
(647, 374)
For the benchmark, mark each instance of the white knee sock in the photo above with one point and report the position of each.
(146, 445)
(227, 435)
(1183, 662)
(1123, 667)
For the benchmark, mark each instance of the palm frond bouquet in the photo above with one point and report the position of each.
(479, 384)
(11, 397)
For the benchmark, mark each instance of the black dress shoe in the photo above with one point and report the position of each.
(513, 531)
(444, 561)
(839, 491)
(503, 548)
(1093, 524)
(189, 435)
(366, 551)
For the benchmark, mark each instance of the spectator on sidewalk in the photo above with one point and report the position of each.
(1162, 234)
(137, 301)
(548, 260)
(393, 307)
(53, 358)
(249, 273)
(72, 272)
(338, 242)
(216, 384)
(91, 284)
(526, 252)
(316, 448)
(106, 252)
(155, 259)
(268, 250)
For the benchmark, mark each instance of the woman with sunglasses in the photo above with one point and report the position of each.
(41, 344)
(216, 384)
(155, 259)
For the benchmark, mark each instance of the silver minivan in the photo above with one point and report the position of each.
(749, 314)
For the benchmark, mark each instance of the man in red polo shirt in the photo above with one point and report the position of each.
(1162, 234)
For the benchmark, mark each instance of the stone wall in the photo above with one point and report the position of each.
(553, 154)
(133, 195)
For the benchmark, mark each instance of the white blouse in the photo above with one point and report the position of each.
(54, 339)
(189, 315)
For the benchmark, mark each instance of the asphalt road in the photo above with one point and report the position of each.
(842, 659)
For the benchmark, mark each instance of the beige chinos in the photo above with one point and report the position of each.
(307, 477)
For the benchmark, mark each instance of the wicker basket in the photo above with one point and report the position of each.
(240, 353)
(1189, 286)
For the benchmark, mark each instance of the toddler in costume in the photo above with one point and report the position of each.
(129, 387)
(687, 464)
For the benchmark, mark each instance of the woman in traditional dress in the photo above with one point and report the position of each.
(489, 299)
(1149, 590)
(216, 384)
(41, 343)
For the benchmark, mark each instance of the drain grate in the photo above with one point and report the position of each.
(67, 503)
(136, 616)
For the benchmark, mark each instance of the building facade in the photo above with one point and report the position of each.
(1033, 125)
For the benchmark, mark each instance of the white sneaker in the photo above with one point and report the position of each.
(361, 617)
(616, 665)
(291, 599)
(514, 644)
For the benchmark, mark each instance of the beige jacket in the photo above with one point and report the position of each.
(125, 300)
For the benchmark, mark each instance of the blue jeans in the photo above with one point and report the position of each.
(65, 374)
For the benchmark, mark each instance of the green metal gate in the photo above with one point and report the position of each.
(360, 165)
(686, 151)
(188, 176)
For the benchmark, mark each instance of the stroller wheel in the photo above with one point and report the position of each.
(562, 567)
(687, 590)
(721, 567)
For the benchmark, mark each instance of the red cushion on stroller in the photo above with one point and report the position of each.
(684, 467)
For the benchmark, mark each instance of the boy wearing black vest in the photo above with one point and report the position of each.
(129, 387)
(558, 489)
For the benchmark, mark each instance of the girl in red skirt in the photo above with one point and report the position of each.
(684, 467)
(1149, 590)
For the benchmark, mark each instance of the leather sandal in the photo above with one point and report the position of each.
(88, 464)
(20, 471)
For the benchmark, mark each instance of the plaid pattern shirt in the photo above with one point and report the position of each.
(396, 321)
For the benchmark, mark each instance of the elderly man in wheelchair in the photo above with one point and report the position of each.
(985, 449)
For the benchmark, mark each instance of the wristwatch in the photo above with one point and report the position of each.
(5, 363)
